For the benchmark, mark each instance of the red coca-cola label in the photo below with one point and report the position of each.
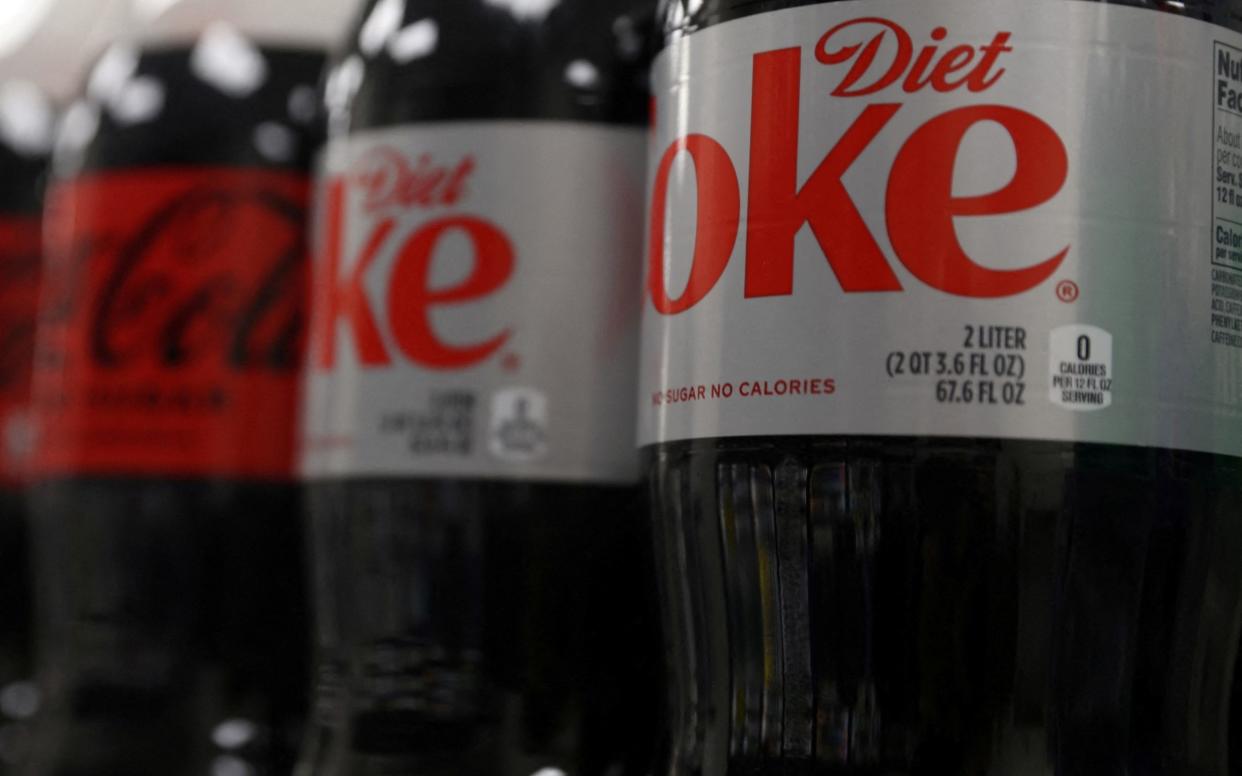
(172, 330)
(20, 238)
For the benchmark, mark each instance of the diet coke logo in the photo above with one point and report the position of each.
(920, 205)
(342, 301)
(870, 72)
(388, 178)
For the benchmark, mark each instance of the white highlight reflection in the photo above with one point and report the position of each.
(526, 9)
(343, 82)
(20, 700)
(228, 61)
(26, 120)
(110, 74)
(78, 127)
(140, 100)
(275, 141)
(414, 41)
(227, 765)
(233, 733)
(629, 41)
(303, 104)
(379, 27)
(582, 74)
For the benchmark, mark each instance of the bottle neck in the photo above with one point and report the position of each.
(419, 61)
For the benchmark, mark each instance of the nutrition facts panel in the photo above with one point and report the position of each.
(1227, 157)
(1227, 195)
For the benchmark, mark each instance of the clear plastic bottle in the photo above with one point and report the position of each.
(26, 123)
(480, 537)
(168, 530)
(903, 528)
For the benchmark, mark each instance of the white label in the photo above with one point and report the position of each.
(896, 217)
(476, 303)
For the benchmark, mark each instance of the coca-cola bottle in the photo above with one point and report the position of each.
(26, 121)
(479, 534)
(940, 385)
(168, 536)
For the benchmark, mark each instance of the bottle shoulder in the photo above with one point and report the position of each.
(27, 117)
(418, 61)
(227, 101)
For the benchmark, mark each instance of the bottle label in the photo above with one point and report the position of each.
(20, 262)
(477, 303)
(172, 324)
(997, 219)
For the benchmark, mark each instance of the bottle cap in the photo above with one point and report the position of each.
(51, 43)
(293, 23)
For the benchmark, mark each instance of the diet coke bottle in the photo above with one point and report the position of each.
(479, 535)
(942, 360)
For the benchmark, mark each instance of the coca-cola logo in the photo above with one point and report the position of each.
(920, 205)
(213, 274)
(343, 302)
(387, 178)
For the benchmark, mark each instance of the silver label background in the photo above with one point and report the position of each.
(1128, 90)
(569, 197)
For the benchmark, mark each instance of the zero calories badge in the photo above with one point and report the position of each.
(1081, 368)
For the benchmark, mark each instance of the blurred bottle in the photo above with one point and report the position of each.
(481, 550)
(52, 43)
(167, 534)
(26, 124)
(36, 64)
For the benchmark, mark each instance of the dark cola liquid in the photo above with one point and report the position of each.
(19, 697)
(490, 628)
(172, 609)
(948, 606)
(17, 636)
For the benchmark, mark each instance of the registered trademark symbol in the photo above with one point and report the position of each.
(511, 362)
(1067, 291)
